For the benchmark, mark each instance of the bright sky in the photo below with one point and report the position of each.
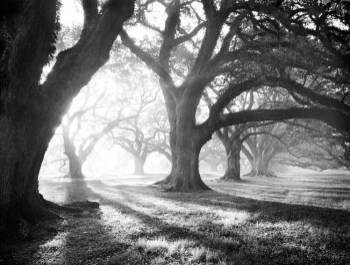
(71, 13)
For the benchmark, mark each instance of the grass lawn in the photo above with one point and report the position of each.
(251, 222)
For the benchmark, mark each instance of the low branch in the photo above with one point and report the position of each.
(150, 61)
(333, 118)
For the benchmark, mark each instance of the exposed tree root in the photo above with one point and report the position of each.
(171, 184)
(231, 176)
(38, 212)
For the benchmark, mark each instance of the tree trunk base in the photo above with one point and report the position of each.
(171, 184)
(231, 176)
(268, 174)
(76, 176)
(23, 215)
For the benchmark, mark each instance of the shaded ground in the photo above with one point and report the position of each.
(143, 225)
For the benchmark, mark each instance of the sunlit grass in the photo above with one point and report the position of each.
(143, 225)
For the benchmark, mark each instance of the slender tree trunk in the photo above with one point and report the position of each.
(233, 168)
(75, 167)
(139, 165)
(75, 164)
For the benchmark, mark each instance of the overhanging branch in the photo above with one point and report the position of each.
(332, 117)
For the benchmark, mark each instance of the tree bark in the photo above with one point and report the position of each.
(187, 141)
(139, 165)
(185, 173)
(233, 156)
(23, 145)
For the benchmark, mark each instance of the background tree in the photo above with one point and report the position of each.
(79, 132)
(312, 145)
(240, 39)
(137, 135)
(212, 156)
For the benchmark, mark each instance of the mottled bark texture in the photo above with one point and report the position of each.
(30, 111)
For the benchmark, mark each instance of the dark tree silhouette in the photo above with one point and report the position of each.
(29, 110)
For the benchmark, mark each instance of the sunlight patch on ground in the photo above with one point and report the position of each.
(231, 218)
(144, 225)
(120, 222)
(162, 243)
(52, 251)
(188, 214)
(324, 189)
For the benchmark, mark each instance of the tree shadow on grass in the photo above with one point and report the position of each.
(87, 239)
(84, 239)
(267, 210)
(19, 250)
(80, 239)
(233, 244)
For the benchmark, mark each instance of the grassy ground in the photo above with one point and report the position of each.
(143, 225)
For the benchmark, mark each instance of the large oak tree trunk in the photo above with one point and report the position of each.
(187, 141)
(233, 168)
(185, 173)
(23, 145)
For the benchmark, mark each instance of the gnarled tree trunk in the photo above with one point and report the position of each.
(187, 141)
(185, 173)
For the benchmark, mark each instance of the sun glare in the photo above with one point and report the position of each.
(71, 13)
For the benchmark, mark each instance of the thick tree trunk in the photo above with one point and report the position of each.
(187, 141)
(30, 113)
(23, 145)
(233, 168)
(185, 174)
(139, 165)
